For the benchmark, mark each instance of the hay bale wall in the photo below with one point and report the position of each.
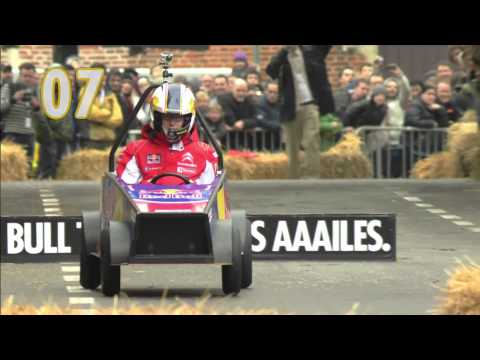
(462, 158)
(344, 161)
(13, 162)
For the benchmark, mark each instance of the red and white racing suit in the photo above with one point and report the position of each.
(143, 159)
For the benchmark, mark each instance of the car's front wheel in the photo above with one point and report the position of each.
(89, 264)
(232, 274)
(110, 273)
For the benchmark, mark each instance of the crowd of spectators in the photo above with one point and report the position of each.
(383, 97)
(240, 108)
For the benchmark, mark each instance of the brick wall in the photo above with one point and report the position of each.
(216, 56)
(40, 55)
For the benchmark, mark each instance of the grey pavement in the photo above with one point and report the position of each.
(427, 245)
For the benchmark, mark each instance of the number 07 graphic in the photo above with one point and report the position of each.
(56, 92)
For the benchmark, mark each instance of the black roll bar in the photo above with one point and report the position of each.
(126, 127)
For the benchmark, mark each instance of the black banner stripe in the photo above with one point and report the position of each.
(353, 237)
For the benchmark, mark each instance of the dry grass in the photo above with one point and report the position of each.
(462, 294)
(13, 162)
(346, 160)
(444, 165)
(179, 308)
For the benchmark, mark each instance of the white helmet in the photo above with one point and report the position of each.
(173, 99)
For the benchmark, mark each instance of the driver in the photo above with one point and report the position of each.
(169, 143)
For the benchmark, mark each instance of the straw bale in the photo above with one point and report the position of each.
(462, 294)
(270, 166)
(346, 160)
(462, 136)
(444, 165)
(85, 164)
(13, 162)
(238, 168)
(472, 157)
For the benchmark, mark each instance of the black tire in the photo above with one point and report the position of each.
(89, 268)
(110, 274)
(247, 259)
(232, 274)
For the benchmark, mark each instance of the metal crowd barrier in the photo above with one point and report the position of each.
(396, 160)
(257, 140)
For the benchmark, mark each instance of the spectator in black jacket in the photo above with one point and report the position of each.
(22, 114)
(6, 73)
(343, 98)
(445, 98)
(268, 118)
(220, 87)
(253, 78)
(268, 109)
(369, 112)
(424, 113)
(239, 108)
(5, 84)
(305, 93)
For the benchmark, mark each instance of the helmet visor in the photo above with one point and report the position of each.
(174, 100)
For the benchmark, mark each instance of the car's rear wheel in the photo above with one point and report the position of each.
(232, 274)
(110, 274)
(247, 259)
(240, 221)
(89, 269)
(89, 264)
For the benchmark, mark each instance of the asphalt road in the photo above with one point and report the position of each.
(427, 245)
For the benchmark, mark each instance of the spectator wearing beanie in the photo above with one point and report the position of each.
(240, 67)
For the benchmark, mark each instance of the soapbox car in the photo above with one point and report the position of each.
(153, 224)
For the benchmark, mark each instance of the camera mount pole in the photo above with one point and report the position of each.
(165, 61)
